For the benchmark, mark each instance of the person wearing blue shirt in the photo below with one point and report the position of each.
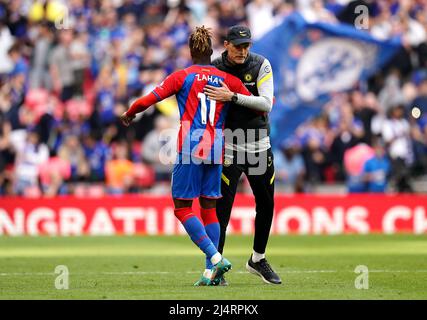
(97, 153)
(376, 170)
(289, 164)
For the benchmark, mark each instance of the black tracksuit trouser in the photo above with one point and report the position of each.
(262, 185)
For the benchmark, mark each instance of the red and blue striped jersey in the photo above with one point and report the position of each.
(202, 119)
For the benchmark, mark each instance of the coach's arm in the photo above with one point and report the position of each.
(265, 85)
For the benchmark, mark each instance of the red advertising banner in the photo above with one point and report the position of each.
(127, 215)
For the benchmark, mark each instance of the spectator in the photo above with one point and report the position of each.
(29, 155)
(348, 134)
(119, 170)
(97, 153)
(354, 162)
(105, 89)
(396, 134)
(315, 160)
(61, 66)
(159, 152)
(289, 166)
(418, 111)
(6, 41)
(420, 145)
(72, 153)
(20, 65)
(314, 11)
(43, 43)
(79, 60)
(391, 93)
(53, 175)
(420, 101)
(377, 169)
(260, 17)
(17, 21)
(364, 109)
(6, 152)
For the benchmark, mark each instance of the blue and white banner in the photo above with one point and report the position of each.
(312, 60)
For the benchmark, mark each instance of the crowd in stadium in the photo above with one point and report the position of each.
(65, 79)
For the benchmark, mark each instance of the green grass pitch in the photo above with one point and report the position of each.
(149, 267)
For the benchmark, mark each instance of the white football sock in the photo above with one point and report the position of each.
(257, 257)
(216, 258)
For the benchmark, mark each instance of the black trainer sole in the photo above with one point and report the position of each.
(255, 272)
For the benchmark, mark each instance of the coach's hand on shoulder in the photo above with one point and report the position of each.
(126, 120)
(222, 93)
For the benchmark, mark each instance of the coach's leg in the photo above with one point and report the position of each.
(262, 186)
(229, 180)
(263, 189)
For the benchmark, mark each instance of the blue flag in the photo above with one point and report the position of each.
(310, 61)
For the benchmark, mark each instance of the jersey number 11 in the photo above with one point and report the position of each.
(204, 108)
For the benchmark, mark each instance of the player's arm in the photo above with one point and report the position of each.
(167, 88)
(263, 102)
(137, 106)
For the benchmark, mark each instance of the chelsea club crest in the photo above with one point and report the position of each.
(227, 161)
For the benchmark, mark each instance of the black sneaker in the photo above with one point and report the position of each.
(264, 270)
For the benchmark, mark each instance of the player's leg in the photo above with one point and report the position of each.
(210, 192)
(210, 221)
(262, 186)
(186, 185)
(195, 229)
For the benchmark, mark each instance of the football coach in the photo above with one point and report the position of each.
(247, 116)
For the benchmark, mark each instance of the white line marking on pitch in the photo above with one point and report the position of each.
(4, 274)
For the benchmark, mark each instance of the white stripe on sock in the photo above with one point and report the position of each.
(216, 258)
